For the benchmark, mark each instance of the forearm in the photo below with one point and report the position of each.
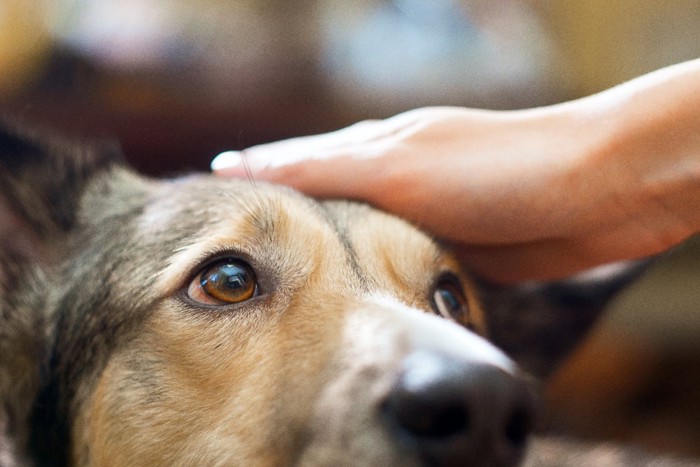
(649, 149)
(620, 180)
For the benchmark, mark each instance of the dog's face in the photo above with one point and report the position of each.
(200, 321)
(269, 329)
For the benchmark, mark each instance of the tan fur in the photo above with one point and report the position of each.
(106, 360)
(190, 388)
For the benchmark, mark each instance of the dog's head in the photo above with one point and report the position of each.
(200, 321)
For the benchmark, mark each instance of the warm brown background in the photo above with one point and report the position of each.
(177, 81)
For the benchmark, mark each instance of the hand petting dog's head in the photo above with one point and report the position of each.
(211, 322)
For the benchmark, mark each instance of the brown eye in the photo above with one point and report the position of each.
(226, 281)
(449, 300)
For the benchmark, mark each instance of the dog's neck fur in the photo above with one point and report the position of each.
(24, 354)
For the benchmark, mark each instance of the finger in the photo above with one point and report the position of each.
(336, 175)
(266, 157)
(552, 259)
(362, 140)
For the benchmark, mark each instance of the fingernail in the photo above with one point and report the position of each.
(227, 160)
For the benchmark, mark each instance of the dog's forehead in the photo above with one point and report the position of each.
(205, 202)
(202, 206)
(194, 207)
(208, 215)
(390, 248)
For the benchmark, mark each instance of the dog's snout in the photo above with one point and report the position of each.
(454, 412)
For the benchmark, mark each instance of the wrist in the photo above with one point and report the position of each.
(646, 150)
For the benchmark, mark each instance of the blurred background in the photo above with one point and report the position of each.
(178, 81)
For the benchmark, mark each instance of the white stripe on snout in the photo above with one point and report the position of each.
(423, 331)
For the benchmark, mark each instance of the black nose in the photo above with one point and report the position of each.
(455, 413)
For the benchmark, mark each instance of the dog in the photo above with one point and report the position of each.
(202, 321)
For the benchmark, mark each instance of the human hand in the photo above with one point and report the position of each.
(534, 194)
(478, 179)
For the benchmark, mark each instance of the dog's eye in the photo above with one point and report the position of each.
(449, 300)
(223, 282)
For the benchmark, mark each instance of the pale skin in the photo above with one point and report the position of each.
(521, 195)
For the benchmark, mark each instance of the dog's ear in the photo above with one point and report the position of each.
(41, 179)
(41, 182)
(539, 324)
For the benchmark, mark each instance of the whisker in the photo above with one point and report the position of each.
(248, 172)
(246, 164)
